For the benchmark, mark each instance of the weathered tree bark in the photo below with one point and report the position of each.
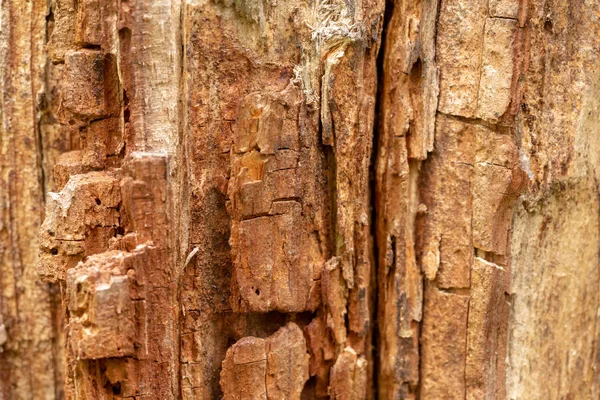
(257, 199)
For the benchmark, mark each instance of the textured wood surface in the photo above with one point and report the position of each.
(258, 199)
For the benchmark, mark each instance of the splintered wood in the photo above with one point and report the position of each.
(299, 199)
(446, 184)
(107, 238)
(103, 239)
(271, 368)
(280, 112)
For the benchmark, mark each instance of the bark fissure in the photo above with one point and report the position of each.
(387, 14)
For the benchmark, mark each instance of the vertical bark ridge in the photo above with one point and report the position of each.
(26, 360)
(114, 78)
(440, 305)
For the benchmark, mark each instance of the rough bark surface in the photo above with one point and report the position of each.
(257, 199)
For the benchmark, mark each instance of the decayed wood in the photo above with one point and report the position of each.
(303, 199)
(105, 238)
(271, 368)
(254, 114)
(27, 357)
(553, 331)
(459, 175)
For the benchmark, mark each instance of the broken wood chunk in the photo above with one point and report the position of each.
(263, 275)
(102, 138)
(101, 318)
(323, 350)
(62, 37)
(287, 363)
(334, 299)
(88, 86)
(496, 185)
(349, 377)
(80, 220)
(89, 22)
(273, 368)
(144, 191)
(244, 370)
(87, 200)
(505, 8)
(68, 164)
(492, 210)
(277, 260)
(446, 249)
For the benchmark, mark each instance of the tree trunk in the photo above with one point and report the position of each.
(258, 199)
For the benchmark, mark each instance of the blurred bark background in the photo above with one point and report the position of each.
(259, 199)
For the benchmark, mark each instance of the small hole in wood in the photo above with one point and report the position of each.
(116, 388)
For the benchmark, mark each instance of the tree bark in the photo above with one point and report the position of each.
(308, 199)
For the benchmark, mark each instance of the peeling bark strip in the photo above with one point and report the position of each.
(247, 200)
